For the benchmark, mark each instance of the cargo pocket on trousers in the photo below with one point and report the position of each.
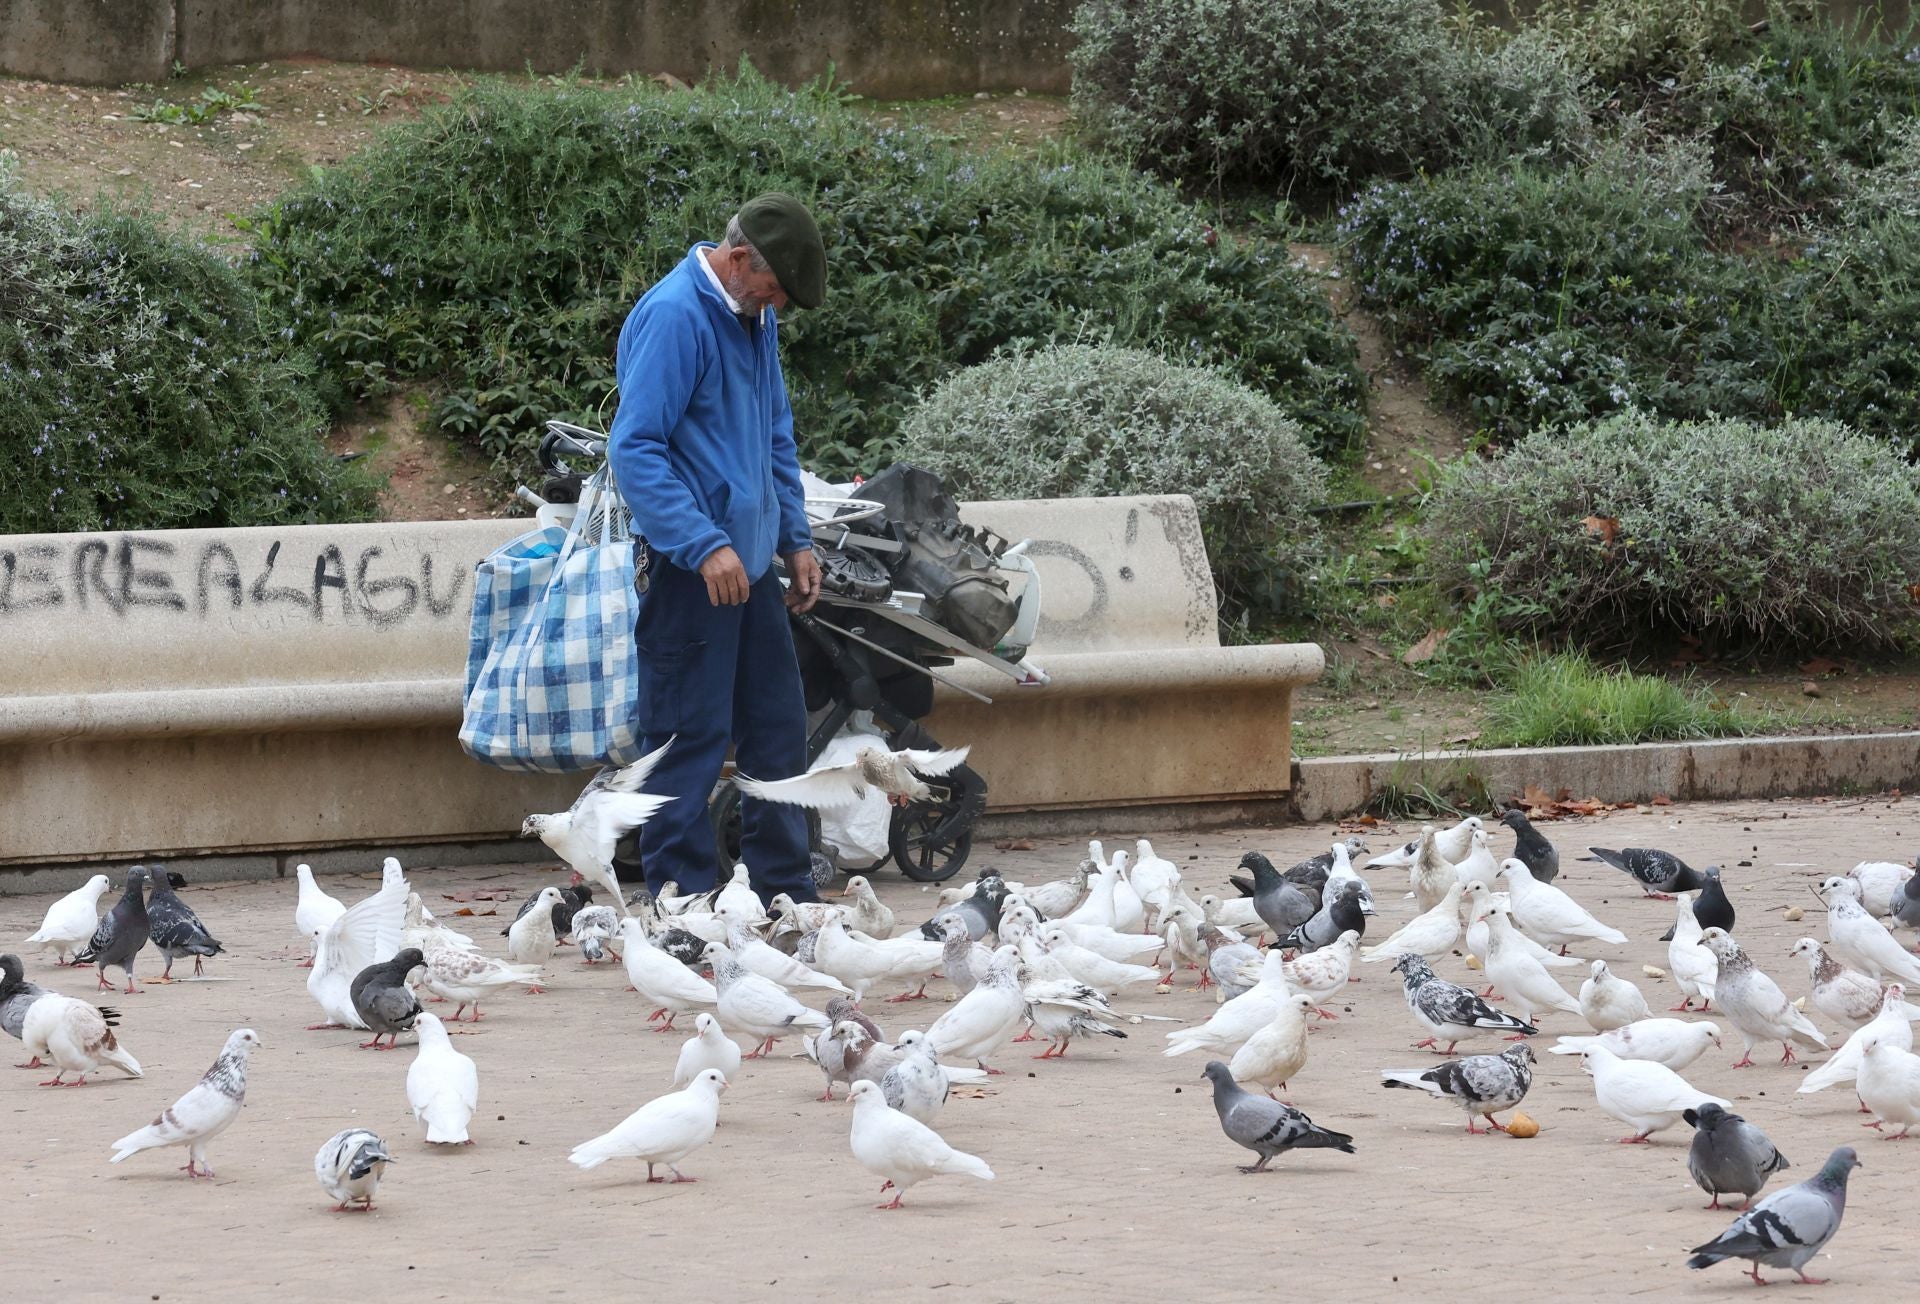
(667, 688)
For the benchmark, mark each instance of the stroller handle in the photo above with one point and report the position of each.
(564, 437)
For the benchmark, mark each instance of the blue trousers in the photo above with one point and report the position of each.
(710, 676)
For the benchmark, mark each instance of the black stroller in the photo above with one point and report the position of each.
(906, 588)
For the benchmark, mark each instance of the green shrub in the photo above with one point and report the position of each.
(1517, 93)
(1636, 528)
(1088, 421)
(1543, 295)
(495, 244)
(1564, 700)
(1319, 91)
(1850, 342)
(140, 391)
(1643, 41)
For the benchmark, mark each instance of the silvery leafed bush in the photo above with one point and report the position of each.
(1082, 421)
(1634, 527)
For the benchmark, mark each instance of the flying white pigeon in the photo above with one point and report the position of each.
(607, 809)
(203, 1113)
(901, 1148)
(368, 932)
(1644, 1095)
(70, 921)
(349, 1166)
(76, 1035)
(443, 1086)
(832, 787)
(665, 1130)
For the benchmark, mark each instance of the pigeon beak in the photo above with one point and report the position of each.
(847, 890)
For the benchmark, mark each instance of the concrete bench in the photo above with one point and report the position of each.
(267, 691)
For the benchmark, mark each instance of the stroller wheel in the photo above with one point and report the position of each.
(920, 851)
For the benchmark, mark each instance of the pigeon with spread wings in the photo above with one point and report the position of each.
(834, 786)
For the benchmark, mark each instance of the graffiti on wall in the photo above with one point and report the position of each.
(128, 572)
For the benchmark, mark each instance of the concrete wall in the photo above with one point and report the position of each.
(885, 48)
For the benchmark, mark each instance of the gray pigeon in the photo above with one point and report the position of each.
(123, 931)
(16, 994)
(1282, 905)
(1228, 962)
(980, 917)
(1530, 848)
(383, 1000)
(1448, 1009)
(176, 931)
(1660, 874)
(1788, 1227)
(1263, 1125)
(1906, 903)
(1729, 1155)
(1479, 1084)
(1338, 913)
(845, 1007)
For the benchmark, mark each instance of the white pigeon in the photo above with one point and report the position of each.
(708, 1048)
(594, 930)
(673, 988)
(1153, 877)
(1479, 866)
(757, 1006)
(1097, 909)
(776, 966)
(1431, 873)
(349, 1166)
(1180, 941)
(1122, 947)
(1452, 845)
(530, 938)
(314, 911)
(469, 977)
(1521, 978)
(1431, 933)
(1274, 1054)
(917, 1083)
(1675, 1043)
(1242, 1016)
(1842, 994)
(367, 932)
(1856, 938)
(70, 921)
(665, 1130)
(423, 933)
(1880, 881)
(1322, 973)
(1644, 1095)
(1090, 967)
(1548, 915)
(1129, 911)
(1754, 1002)
(1061, 1009)
(1237, 913)
(870, 915)
(203, 1113)
(1342, 869)
(736, 898)
(901, 1148)
(1692, 965)
(1892, 1025)
(77, 1036)
(443, 1086)
(607, 809)
(1889, 1085)
(859, 961)
(833, 787)
(1608, 1001)
(984, 1020)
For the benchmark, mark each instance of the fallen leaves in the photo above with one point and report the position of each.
(1425, 648)
(469, 910)
(1543, 805)
(1821, 666)
(480, 894)
(1013, 844)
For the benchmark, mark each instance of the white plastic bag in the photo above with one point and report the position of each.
(856, 835)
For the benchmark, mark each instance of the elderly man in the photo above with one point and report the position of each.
(702, 447)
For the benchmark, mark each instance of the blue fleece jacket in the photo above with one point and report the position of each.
(702, 445)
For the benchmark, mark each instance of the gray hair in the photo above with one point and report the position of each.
(736, 239)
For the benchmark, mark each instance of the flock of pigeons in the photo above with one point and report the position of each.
(1047, 961)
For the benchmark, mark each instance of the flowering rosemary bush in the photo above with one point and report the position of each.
(495, 244)
(140, 392)
(1632, 527)
(1083, 421)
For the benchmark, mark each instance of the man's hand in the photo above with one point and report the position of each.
(803, 580)
(726, 578)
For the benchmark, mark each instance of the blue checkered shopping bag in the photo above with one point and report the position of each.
(552, 670)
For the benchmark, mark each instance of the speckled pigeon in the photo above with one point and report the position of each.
(1790, 1226)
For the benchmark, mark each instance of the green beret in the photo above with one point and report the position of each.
(782, 229)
